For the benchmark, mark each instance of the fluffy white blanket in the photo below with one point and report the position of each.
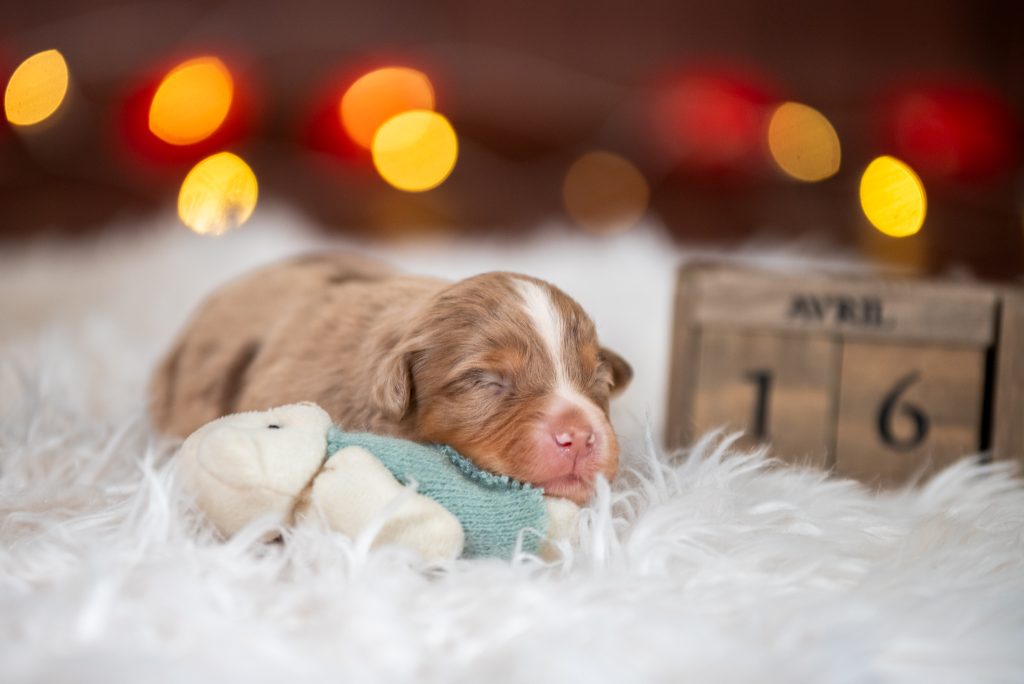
(707, 566)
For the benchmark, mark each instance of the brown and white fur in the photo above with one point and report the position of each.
(504, 367)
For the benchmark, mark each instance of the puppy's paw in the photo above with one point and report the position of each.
(563, 526)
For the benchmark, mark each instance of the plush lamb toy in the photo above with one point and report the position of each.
(291, 460)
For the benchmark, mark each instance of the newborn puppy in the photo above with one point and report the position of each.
(505, 368)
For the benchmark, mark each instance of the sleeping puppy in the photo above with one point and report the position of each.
(505, 368)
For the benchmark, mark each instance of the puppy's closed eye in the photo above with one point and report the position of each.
(492, 381)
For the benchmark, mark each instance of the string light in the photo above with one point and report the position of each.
(36, 89)
(709, 120)
(803, 142)
(893, 197)
(712, 120)
(957, 131)
(218, 194)
(605, 193)
(379, 96)
(415, 151)
(192, 101)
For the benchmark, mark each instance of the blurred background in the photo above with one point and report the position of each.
(889, 128)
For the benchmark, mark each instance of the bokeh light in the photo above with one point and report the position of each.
(218, 194)
(803, 142)
(605, 193)
(893, 197)
(415, 151)
(192, 101)
(36, 88)
(713, 120)
(961, 132)
(381, 95)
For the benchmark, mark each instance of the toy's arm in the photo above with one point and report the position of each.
(563, 525)
(354, 487)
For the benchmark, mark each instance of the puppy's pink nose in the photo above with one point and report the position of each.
(567, 439)
(573, 434)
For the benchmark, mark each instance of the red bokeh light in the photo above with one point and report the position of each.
(322, 130)
(713, 120)
(955, 132)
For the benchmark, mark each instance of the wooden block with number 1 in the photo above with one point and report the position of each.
(775, 388)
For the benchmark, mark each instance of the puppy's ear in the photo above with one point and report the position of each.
(622, 372)
(392, 385)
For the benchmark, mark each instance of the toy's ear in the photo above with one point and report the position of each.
(622, 372)
(392, 384)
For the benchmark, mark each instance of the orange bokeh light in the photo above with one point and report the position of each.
(378, 96)
(192, 101)
(36, 88)
(605, 193)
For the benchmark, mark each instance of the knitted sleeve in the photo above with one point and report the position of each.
(493, 509)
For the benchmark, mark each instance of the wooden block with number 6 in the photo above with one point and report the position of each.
(906, 408)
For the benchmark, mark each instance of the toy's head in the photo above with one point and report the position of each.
(256, 463)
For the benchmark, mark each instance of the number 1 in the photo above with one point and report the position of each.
(762, 380)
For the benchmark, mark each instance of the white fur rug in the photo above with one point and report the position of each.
(716, 567)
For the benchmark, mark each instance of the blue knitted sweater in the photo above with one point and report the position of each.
(493, 509)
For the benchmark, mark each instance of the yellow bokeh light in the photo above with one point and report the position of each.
(36, 89)
(192, 101)
(893, 197)
(605, 193)
(381, 95)
(415, 151)
(218, 194)
(803, 142)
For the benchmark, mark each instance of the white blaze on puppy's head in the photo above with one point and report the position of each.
(546, 321)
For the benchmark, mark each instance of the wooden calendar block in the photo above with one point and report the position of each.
(1008, 427)
(878, 378)
(907, 409)
(774, 387)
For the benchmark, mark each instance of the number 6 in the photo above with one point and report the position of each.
(885, 417)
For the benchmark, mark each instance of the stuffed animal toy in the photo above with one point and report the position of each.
(290, 462)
